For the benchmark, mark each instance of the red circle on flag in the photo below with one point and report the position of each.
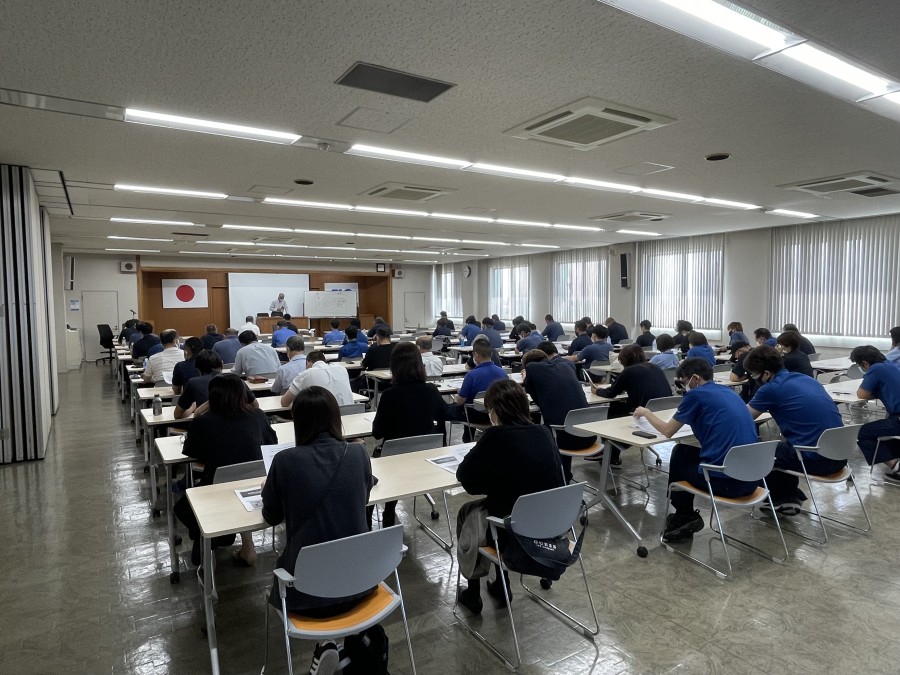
(184, 293)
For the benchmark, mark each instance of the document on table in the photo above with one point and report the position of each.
(269, 452)
(369, 417)
(251, 498)
(454, 457)
(453, 382)
(642, 424)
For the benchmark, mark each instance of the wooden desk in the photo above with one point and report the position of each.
(220, 512)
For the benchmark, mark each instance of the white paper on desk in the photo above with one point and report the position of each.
(454, 457)
(251, 498)
(369, 417)
(644, 425)
(453, 382)
(167, 377)
(269, 452)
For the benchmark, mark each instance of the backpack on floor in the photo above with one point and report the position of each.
(367, 652)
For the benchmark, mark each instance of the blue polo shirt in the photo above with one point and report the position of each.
(702, 352)
(553, 330)
(719, 419)
(353, 349)
(529, 341)
(596, 351)
(479, 379)
(280, 336)
(800, 406)
(579, 343)
(893, 356)
(665, 360)
(882, 380)
(495, 337)
(469, 331)
(333, 337)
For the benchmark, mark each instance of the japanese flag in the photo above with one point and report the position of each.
(184, 293)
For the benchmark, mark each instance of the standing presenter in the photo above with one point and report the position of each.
(278, 304)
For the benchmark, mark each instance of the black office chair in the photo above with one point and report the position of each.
(276, 314)
(106, 341)
(259, 314)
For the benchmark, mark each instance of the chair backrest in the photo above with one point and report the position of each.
(407, 338)
(596, 413)
(437, 343)
(839, 443)
(106, 335)
(854, 372)
(401, 446)
(352, 408)
(622, 343)
(478, 406)
(814, 357)
(232, 472)
(750, 462)
(722, 368)
(348, 566)
(549, 513)
(664, 403)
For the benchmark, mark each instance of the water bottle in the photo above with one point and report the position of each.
(157, 406)
(146, 362)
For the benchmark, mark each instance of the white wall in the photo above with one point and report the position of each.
(101, 273)
(415, 278)
(745, 295)
(57, 286)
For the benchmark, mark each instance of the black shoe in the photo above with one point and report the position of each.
(496, 591)
(325, 659)
(388, 519)
(470, 598)
(680, 526)
(892, 477)
(783, 507)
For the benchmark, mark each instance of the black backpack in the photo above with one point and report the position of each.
(367, 652)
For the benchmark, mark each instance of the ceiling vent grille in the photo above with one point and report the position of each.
(876, 192)
(587, 123)
(407, 193)
(851, 183)
(632, 217)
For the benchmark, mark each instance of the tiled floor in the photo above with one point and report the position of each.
(87, 587)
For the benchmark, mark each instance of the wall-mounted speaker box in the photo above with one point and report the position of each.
(398, 274)
(625, 269)
(127, 266)
(69, 272)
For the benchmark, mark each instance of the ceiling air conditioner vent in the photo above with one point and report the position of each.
(825, 186)
(876, 192)
(633, 217)
(407, 193)
(587, 123)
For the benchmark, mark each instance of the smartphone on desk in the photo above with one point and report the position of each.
(643, 434)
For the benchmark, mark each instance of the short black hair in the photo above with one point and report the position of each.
(762, 359)
(228, 396)
(548, 348)
(249, 318)
(684, 325)
(533, 355)
(383, 333)
(523, 328)
(483, 348)
(601, 331)
(790, 326)
(145, 327)
(351, 331)
(280, 323)
(295, 344)
(508, 401)
(335, 323)
(471, 319)
(487, 321)
(895, 334)
(549, 317)
(762, 333)
(789, 338)
(629, 355)
(581, 326)
(645, 324)
(246, 337)
(356, 322)
(866, 353)
(664, 342)
(194, 345)
(697, 338)
(207, 361)
(694, 366)
(212, 328)
(315, 356)
(425, 342)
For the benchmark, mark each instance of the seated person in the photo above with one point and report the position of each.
(529, 337)
(470, 329)
(736, 333)
(495, 354)
(128, 329)
(646, 338)
(803, 410)
(763, 337)
(720, 421)
(699, 348)
(141, 348)
(295, 365)
(788, 345)
(211, 337)
(499, 326)
(282, 333)
(512, 458)
(881, 381)
(320, 373)
(185, 370)
(666, 359)
(230, 432)
(739, 350)
(409, 407)
(335, 336)
(447, 321)
(228, 348)
(434, 365)
(353, 347)
(553, 329)
(289, 325)
(487, 329)
(442, 328)
(255, 358)
(555, 389)
(378, 356)
(893, 356)
(582, 338)
(319, 489)
(195, 392)
(514, 333)
(379, 323)
(597, 353)
(485, 373)
(165, 360)
(617, 332)
(805, 345)
(249, 324)
(683, 329)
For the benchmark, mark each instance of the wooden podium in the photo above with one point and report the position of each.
(267, 323)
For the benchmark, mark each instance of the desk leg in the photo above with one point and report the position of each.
(174, 565)
(375, 394)
(208, 587)
(604, 498)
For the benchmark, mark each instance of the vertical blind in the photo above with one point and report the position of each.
(579, 284)
(682, 279)
(837, 278)
(446, 285)
(508, 292)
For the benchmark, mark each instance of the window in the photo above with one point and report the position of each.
(681, 279)
(508, 293)
(580, 286)
(837, 278)
(446, 286)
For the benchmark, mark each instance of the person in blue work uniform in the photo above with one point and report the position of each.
(553, 329)
(699, 348)
(335, 336)
(492, 334)
(582, 338)
(881, 381)
(666, 359)
(763, 336)
(470, 330)
(529, 337)
(646, 338)
(354, 346)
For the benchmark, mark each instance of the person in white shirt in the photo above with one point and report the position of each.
(296, 364)
(278, 304)
(249, 325)
(319, 373)
(255, 358)
(164, 362)
(434, 365)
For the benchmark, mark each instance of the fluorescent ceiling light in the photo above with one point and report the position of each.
(441, 239)
(335, 248)
(133, 250)
(513, 172)
(204, 252)
(175, 192)
(640, 233)
(147, 221)
(601, 185)
(831, 65)
(261, 228)
(794, 214)
(453, 216)
(583, 228)
(383, 236)
(335, 233)
(486, 243)
(380, 250)
(115, 236)
(401, 156)
(523, 223)
(432, 262)
(734, 22)
(209, 127)
(396, 212)
(538, 245)
(274, 245)
(229, 243)
(674, 196)
(306, 204)
(729, 204)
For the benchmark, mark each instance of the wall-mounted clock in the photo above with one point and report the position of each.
(467, 271)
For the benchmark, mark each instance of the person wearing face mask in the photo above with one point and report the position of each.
(720, 421)
(881, 381)
(738, 374)
(788, 345)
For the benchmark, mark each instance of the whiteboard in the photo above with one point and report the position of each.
(330, 304)
(253, 293)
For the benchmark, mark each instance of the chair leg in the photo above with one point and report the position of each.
(287, 637)
(756, 549)
(412, 660)
(447, 545)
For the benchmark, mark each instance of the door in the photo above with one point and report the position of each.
(413, 309)
(97, 307)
